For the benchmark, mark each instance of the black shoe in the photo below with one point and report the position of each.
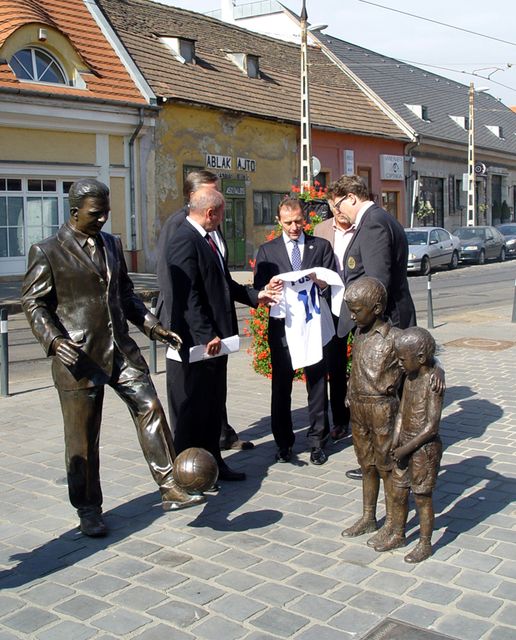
(354, 474)
(93, 525)
(318, 456)
(284, 455)
(225, 473)
(338, 433)
(239, 445)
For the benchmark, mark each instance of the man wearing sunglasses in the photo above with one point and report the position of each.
(378, 248)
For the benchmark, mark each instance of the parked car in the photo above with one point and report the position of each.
(431, 247)
(478, 244)
(509, 232)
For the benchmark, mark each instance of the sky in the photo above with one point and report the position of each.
(453, 53)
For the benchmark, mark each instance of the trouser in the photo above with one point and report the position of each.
(337, 371)
(82, 415)
(196, 399)
(281, 417)
(227, 434)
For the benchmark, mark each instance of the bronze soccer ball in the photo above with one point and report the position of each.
(195, 469)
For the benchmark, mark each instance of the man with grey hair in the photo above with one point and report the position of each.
(194, 181)
(202, 311)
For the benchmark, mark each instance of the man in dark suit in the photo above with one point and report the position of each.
(378, 248)
(202, 310)
(78, 297)
(275, 257)
(194, 180)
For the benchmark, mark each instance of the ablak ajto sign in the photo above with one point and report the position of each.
(214, 161)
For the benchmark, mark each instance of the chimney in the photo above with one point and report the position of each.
(227, 10)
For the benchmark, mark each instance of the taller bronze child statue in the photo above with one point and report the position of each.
(78, 297)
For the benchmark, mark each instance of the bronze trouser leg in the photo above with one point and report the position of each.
(82, 414)
(151, 424)
(370, 490)
(425, 510)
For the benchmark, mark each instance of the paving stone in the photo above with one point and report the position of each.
(121, 621)
(435, 593)
(462, 627)
(376, 603)
(507, 568)
(197, 591)
(501, 633)
(125, 567)
(483, 606)
(280, 552)
(437, 571)
(138, 548)
(345, 572)
(279, 622)
(7, 635)
(215, 628)
(354, 622)
(181, 614)
(160, 578)
(29, 620)
(237, 607)
(237, 559)
(238, 580)
(318, 632)
(275, 594)
(272, 570)
(416, 615)
(139, 598)
(477, 581)
(312, 583)
(507, 615)
(102, 585)
(66, 630)
(163, 632)
(8, 604)
(82, 607)
(316, 607)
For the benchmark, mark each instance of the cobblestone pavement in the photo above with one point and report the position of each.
(264, 558)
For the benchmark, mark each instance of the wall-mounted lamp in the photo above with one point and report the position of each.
(42, 35)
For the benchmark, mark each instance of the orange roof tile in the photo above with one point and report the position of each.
(110, 80)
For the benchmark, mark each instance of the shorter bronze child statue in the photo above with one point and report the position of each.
(373, 398)
(416, 446)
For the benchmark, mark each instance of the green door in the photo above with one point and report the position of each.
(234, 221)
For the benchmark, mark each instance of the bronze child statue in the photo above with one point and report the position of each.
(375, 380)
(416, 446)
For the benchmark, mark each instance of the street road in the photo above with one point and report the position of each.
(471, 288)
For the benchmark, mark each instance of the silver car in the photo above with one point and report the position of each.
(431, 247)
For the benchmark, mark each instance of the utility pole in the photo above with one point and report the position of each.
(305, 176)
(471, 217)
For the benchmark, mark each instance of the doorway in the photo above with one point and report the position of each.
(234, 221)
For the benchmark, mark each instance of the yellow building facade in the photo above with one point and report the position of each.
(255, 159)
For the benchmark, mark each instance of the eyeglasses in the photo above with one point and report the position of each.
(336, 207)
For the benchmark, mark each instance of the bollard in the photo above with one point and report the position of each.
(514, 304)
(152, 346)
(4, 354)
(430, 306)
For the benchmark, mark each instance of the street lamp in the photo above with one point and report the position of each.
(470, 216)
(305, 176)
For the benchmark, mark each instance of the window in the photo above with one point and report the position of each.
(420, 111)
(248, 63)
(496, 130)
(30, 209)
(182, 48)
(36, 65)
(390, 202)
(265, 205)
(462, 121)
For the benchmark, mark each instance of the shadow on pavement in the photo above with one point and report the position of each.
(72, 546)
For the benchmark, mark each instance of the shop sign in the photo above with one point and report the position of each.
(391, 167)
(246, 164)
(218, 162)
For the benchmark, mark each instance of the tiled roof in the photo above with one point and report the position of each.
(215, 81)
(109, 81)
(399, 84)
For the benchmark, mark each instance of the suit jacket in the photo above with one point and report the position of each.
(172, 224)
(325, 230)
(202, 294)
(379, 249)
(272, 259)
(64, 295)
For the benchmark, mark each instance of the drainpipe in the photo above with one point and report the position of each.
(132, 187)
